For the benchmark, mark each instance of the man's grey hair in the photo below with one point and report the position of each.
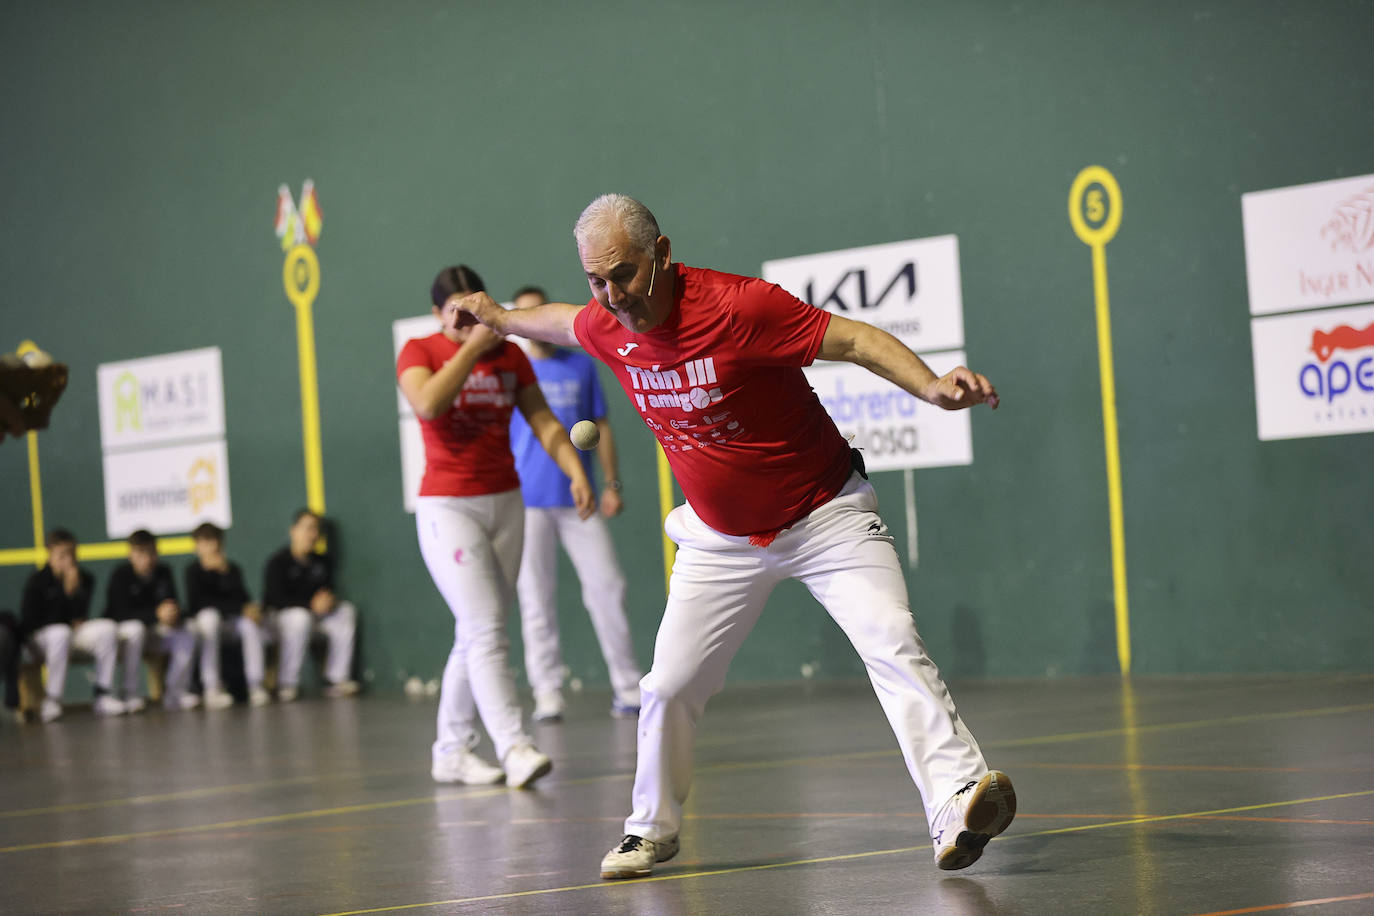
(610, 211)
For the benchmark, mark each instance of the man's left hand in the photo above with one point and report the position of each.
(611, 503)
(960, 388)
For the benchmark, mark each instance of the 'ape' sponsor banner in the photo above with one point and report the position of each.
(1314, 372)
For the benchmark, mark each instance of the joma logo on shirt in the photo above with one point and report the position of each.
(700, 373)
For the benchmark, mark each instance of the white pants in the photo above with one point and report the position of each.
(54, 644)
(471, 546)
(843, 554)
(296, 626)
(589, 547)
(211, 628)
(177, 643)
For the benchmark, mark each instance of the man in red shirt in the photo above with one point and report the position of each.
(712, 362)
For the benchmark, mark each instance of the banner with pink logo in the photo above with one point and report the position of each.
(1309, 249)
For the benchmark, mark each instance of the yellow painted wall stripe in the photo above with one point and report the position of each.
(36, 494)
(1095, 221)
(665, 505)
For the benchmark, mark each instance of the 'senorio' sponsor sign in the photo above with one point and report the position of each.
(894, 429)
(166, 490)
(909, 289)
(1310, 246)
(1314, 372)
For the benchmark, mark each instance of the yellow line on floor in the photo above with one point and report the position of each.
(702, 769)
(250, 821)
(206, 792)
(714, 873)
(1289, 906)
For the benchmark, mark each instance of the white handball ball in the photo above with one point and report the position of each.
(585, 435)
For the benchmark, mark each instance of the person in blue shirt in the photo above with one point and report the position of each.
(568, 380)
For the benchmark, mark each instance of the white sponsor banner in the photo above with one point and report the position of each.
(412, 445)
(167, 490)
(894, 429)
(909, 289)
(1310, 246)
(158, 399)
(1314, 373)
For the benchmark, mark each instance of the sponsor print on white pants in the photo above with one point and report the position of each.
(1314, 373)
(844, 556)
(471, 546)
(589, 547)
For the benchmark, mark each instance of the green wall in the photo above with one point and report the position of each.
(142, 146)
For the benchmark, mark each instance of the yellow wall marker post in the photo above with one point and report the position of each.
(301, 277)
(1095, 213)
(40, 553)
(665, 505)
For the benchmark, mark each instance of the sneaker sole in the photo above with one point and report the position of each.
(990, 811)
(458, 781)
(542, 770)
(615, 874)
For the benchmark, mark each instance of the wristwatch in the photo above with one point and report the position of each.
(613, 485)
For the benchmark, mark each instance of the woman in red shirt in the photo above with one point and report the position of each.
(463, 383)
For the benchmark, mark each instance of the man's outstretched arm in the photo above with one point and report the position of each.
(886, 356)
(551, 322)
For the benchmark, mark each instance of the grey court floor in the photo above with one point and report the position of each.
(1168, 796)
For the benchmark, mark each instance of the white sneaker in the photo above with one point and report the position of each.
(466, 767)
(636, 857)
(218, 699)
(548, 706)
(50, 710)
(524, 764)
(341, 689)
(972, 816)
(135, 704)
(106, 705)
(287, 694)
(259, 697)
(183, 703)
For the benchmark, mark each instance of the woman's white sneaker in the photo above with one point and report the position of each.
(635, 857)
(466, 767)
(524, 764)
(974, 815)
(106, 705)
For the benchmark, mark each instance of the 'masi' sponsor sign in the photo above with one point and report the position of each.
(162, 433)
(161, 399)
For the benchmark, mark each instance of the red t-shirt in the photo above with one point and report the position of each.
(467, 447)
(720, 384)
